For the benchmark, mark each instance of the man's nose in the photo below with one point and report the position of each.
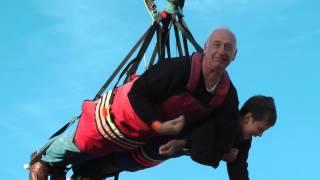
(221, 50)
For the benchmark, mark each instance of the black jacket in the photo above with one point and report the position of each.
(216, 136)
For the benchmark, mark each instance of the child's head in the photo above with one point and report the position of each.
(257, 115)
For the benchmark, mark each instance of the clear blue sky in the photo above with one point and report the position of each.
(54, 54)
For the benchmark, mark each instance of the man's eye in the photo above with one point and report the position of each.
(229, 48)
(216, 44)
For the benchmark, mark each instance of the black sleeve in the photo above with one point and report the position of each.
(212, 138)
(238, 170)
(156, 85)
(201, 144)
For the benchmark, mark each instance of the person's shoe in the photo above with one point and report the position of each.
(41, 171)
(38, 171)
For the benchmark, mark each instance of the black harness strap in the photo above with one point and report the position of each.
(166, 35)
(185, 42)
(154, 54)
(143, 48)
(178, 42)
(189, 36)
(159, 41)
(168, 46)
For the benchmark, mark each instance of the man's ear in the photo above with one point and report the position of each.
(205, 46)
(235, 54)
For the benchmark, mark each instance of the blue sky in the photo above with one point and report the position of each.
(54, 54)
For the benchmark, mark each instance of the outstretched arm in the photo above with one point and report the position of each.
(238, 169)
(172, 147)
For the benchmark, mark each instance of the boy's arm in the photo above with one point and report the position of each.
(238, 169)
(172, 147)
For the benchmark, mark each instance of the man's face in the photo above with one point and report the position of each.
(220, 50)
(252, 127)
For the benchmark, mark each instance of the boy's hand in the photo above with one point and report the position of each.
(172, 147)
(171, 127)
(231, 155)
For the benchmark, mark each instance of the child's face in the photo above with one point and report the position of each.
(253, 127)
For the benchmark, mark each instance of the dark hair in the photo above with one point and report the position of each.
(262, 108)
